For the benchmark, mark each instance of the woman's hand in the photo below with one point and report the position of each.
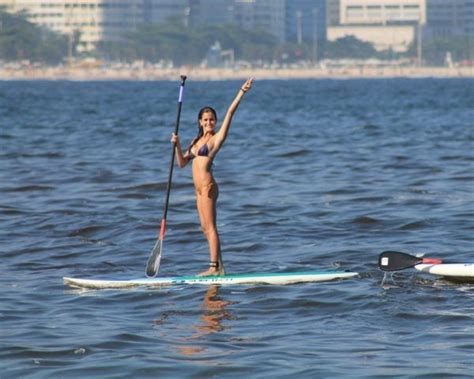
(174, 139)
(247, 85)
(181, 159)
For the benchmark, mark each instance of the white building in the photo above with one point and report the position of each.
(382, 11)
(96, 20)
(387, 24)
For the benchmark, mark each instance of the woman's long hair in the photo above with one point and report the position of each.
(200, 130)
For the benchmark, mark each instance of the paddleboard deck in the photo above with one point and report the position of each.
(254, 278)
(454, 270)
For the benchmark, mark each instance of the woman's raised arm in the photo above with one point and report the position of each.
(221, 135)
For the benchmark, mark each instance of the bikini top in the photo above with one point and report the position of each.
(202, 152)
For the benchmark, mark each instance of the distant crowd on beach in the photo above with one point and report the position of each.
(343, 70)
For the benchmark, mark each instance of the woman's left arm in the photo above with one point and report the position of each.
(221, 135)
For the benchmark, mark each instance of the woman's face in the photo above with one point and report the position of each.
(207, 122)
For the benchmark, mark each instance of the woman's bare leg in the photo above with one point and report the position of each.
(206, 205)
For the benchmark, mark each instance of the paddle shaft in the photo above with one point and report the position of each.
(153, 263)
(173, 154)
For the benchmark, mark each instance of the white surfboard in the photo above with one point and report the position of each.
(454, 270)
(254, 278)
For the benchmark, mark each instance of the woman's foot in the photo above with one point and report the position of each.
(213, 270)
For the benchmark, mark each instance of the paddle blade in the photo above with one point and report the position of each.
(396, 261)
(153, 264)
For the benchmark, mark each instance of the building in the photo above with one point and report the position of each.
(363, 12)
(387, 24)
(333, 12)
(453, 18)
(267, 15)
(86, 17)
(159, 11)
(97, 20)
(213, 12)
(108, 20)
(305, 21)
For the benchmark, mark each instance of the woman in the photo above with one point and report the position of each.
(201, 152)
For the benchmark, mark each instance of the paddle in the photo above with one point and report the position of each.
(395, 261)
(153, 264)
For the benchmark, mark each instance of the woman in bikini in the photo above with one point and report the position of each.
(201, 152)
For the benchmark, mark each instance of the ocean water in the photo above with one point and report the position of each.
(315, 175)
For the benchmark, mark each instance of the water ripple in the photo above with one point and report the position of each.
(324, 176)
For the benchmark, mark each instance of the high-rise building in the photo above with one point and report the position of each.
(115, 18)
(305, 21)
(213, 12)
(332, 12)
(159, 11)
(449, 18)
(267, 15)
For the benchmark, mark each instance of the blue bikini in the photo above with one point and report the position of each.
(202, 152)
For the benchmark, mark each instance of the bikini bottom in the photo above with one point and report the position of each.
(210, 190)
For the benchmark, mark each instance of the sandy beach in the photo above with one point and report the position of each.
(142, 74)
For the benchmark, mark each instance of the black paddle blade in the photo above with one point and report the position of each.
(395, 261)
(153, 264)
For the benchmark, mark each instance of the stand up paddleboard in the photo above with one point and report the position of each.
(256, 278)
(458, 271)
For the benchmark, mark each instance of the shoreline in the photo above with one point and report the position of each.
(210, 74)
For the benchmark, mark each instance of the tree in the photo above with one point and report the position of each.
(349, 47)
(20, 39)
(460, 48)
(170, 41)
